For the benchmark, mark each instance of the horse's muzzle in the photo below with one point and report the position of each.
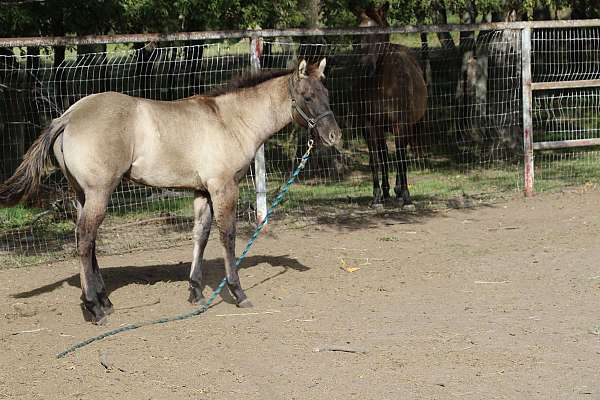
(334, 137)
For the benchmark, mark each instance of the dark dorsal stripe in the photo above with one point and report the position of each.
(248, 80)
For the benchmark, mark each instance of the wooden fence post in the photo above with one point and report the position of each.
(260, 170)
(527, 111)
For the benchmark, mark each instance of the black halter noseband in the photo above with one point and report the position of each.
(310, 122)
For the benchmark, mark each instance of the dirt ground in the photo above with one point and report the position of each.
(497, 302)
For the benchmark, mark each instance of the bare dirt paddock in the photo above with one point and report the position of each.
(496, 302)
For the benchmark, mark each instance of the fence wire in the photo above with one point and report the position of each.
(467, 147)
(558, 55)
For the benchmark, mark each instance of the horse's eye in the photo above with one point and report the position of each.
(307, 98)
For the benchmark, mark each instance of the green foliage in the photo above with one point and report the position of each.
(59, 17)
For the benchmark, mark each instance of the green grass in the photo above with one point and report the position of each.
(389, 239)
(174, 206)
(432, 188)
(556, 170)
(20, 217)
(430, 185)
(17, 217)
(435, 186)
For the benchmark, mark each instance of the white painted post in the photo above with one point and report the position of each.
(260, 170)
(527, 111)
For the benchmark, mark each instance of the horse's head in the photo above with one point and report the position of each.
(310, 102)
(372, 17)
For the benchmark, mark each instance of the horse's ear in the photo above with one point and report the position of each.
(322, 68)
(302, 69)
(359, 12)
(383, 10)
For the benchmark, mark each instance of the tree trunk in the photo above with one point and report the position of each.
(311, 9)
(193, 65)
(439, 16)
(33, 60)
(93, 58)
(466, 131)
(59, 55)
(503, 86)
(143, 67)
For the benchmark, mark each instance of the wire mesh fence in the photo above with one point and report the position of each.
(465, 147)
(568, 113)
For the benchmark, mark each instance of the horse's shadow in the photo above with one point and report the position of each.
(213, 273)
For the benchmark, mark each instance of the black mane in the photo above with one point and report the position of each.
(248, 80)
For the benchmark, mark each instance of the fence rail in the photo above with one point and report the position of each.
(530, 86)
(499, 98)
(296, 32)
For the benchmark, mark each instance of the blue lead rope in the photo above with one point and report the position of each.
(213, 296)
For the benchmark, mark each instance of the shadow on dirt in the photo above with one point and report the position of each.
(214, 271)
(359, 214)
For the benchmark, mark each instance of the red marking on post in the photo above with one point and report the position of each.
(528, 164)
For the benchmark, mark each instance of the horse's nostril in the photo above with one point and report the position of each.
(332, 136)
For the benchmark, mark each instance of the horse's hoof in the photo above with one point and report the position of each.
(377, 205)
(198, 301)
(105, 303)
(196, 297)
(409, 207)
(245, 304)
(93, 312)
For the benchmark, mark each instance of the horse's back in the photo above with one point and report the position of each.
(401, 79)
(397, 92)
(158, 143)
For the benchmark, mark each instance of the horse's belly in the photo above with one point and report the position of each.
(158, 175)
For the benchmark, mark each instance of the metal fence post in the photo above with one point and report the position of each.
(260, 170)
(527, 111)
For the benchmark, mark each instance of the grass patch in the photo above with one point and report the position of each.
(33, 236)
(389, 239)
(430, 185)
(17, 217)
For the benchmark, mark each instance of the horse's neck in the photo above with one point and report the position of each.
(260, 111)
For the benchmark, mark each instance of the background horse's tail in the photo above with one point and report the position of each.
(27, 179)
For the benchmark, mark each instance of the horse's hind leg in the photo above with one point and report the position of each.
(224, 196)
(94, 297)
(202, 223)
(401, 188)
(370, 138)
(104, 300)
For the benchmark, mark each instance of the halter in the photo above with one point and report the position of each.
(310, 122)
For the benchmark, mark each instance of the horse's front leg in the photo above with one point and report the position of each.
(224, 197)
(370, 138)
(202, 223)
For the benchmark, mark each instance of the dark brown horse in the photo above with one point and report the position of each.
(203, 143)
(393, 97)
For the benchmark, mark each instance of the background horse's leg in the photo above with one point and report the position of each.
(383, 153)
(94, 296)
(202, 222)
(369, 135)
(401, 188)
(224, 196)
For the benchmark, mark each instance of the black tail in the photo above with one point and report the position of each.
(27, 179)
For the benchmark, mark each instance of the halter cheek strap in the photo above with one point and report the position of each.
(310, 122)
